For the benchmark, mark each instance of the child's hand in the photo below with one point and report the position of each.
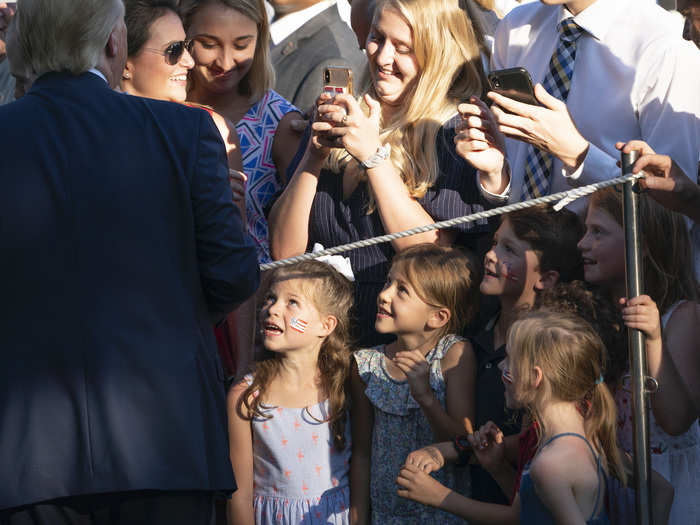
(428, 459)
(417, 371)
(421, 487)
(641, 313)
(489, 447)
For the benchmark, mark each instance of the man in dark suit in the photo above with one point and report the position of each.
(121, 247)
(307, 37)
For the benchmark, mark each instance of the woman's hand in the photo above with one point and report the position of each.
(478, 140)
(351, 129)
(419, 486)
(488, 446)
(428, 459)
(641, 313)
(417, 371)
(321, 143)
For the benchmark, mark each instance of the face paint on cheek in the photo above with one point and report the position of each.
(506, 376)
(510, 276)
(298, 324)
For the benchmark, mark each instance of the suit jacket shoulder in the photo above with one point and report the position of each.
(299, 59)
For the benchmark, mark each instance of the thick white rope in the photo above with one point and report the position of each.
(563, 197)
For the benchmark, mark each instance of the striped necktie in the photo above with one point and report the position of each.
(538, 166)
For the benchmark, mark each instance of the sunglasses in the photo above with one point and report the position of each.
(173, 53)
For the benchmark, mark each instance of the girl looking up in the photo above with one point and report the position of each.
(288, 427)
(554, 370)
(674, 436)
(418, 389)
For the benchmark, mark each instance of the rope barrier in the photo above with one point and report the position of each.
(563, 197)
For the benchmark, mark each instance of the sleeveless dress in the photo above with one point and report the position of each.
(400, 428)
(256, 133)
(534, 512)
(676, 458)
(299, 476)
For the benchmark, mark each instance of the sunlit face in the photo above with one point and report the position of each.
(148, 73)
(603, 249)
(392, 61)
(511, 267)
(400, 310)
(288, 319)
(224, 47)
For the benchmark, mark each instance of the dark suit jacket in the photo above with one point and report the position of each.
(300, 59)
(120, 244)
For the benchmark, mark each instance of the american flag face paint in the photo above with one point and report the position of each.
(506, 376)
(298, 324)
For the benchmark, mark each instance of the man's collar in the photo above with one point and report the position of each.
(288, 24)
(597, 17)
(99, 73)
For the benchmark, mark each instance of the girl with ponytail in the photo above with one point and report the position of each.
(554, 369)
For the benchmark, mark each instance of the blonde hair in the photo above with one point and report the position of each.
(447, 49)
(331, 294)
(571, 356)
(58, 35)
(442, 277)
(261, 76)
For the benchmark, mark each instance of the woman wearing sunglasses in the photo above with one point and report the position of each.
(156, 67)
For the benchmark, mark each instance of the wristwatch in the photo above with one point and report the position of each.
(375, 160)
(463, 449)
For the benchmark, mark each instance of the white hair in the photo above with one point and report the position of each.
(66, 35)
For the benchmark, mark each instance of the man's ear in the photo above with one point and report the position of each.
(112, 46)
(328, 324)
(547, 280)
(439, 318)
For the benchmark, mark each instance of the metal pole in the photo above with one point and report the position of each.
(637, 354)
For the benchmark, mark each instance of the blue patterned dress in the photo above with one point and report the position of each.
(299, 477)
(400, 428)
(256, 132)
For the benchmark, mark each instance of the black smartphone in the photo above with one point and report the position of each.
(514, 83)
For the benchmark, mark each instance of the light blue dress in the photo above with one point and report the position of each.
(256, 133)
(400, 427)
(299, 476)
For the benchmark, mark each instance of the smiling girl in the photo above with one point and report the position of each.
(418, 389)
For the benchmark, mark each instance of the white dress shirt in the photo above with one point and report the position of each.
(285, 26)
(634, 78)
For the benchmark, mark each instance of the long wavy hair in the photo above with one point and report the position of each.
(667, 264)
(447, 47)
(571, 356)
(331, 294)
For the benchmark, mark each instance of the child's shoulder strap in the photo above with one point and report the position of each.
(443, 346)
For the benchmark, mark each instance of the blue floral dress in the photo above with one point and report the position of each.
(400, 428)
(299, 477)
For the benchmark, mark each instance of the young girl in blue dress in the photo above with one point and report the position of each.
(554, 368)
(288, 425)
(417, 389)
